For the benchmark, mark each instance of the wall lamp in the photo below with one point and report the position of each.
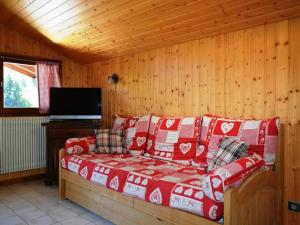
(113, 79)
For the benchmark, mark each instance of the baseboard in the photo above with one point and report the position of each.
(16, 177)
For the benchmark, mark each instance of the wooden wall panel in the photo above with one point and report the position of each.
(13, 42)
(249, 73)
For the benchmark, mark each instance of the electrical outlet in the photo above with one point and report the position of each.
(294, 206)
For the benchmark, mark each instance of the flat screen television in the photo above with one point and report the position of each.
(75, 103)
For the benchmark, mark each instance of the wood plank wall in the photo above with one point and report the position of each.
(13, 42)
(248, 73)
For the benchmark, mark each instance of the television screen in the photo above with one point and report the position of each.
(75, 103)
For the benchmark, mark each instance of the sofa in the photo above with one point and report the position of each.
(163, 177)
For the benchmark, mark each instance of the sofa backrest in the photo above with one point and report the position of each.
(174, 139)
(196, 139)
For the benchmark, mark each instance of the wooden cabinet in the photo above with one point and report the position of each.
(57, 134)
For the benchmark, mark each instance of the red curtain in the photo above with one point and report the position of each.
(48, 76)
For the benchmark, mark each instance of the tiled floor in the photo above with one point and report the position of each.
(34, 203)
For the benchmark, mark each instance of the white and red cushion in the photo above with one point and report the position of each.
(126, 123)
(137, 135)
(231, 175)
(173, 138)
(80, 145)
(261, 135)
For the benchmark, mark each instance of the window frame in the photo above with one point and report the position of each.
(22, 60)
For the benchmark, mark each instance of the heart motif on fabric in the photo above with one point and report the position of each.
(226, 127)
(137, 180)
(145, 182)
(84, 172)
(97, 168)
(178, 190)
(248, 164)
(149, 144)
(216, 182)
(169, 123)
(162, 154)
(114, 183)
(218, 196)
(200, 150)
(185, 147)
(156, 196)
(101, 170)
(168, 155)
(130, 178)
(213, 212)
(78, 149)
(70, 150)
(140, 141)
(107, 171)
(188, 192)
(199, 195)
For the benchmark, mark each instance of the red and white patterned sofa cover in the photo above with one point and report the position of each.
(184, 186)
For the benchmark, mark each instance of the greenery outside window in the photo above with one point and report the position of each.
(19, 87)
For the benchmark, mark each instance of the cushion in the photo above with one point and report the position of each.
(231, 175)
(125, 123)
(261, 135)
(80, 145)
(229, 151)
(110, 141)
(173, 138)
(137, 135)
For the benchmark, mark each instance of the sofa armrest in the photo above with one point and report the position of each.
(231, 175)
(259, 196)
(80, 145)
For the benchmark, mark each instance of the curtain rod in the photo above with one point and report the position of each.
(28, 59)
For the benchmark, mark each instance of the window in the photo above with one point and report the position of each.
(20, 86)
(25, 84)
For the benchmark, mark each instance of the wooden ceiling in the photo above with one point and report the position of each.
(89, 30)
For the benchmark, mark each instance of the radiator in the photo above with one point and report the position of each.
(23, 143)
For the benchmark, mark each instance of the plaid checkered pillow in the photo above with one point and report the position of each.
(110, 141)
(229, 150)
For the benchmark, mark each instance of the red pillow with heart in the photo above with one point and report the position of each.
(173, 138)
(137, 135)
(261, 135)
(80, 145)
(125, 123)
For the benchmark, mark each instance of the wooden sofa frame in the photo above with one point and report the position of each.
(254, 202)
